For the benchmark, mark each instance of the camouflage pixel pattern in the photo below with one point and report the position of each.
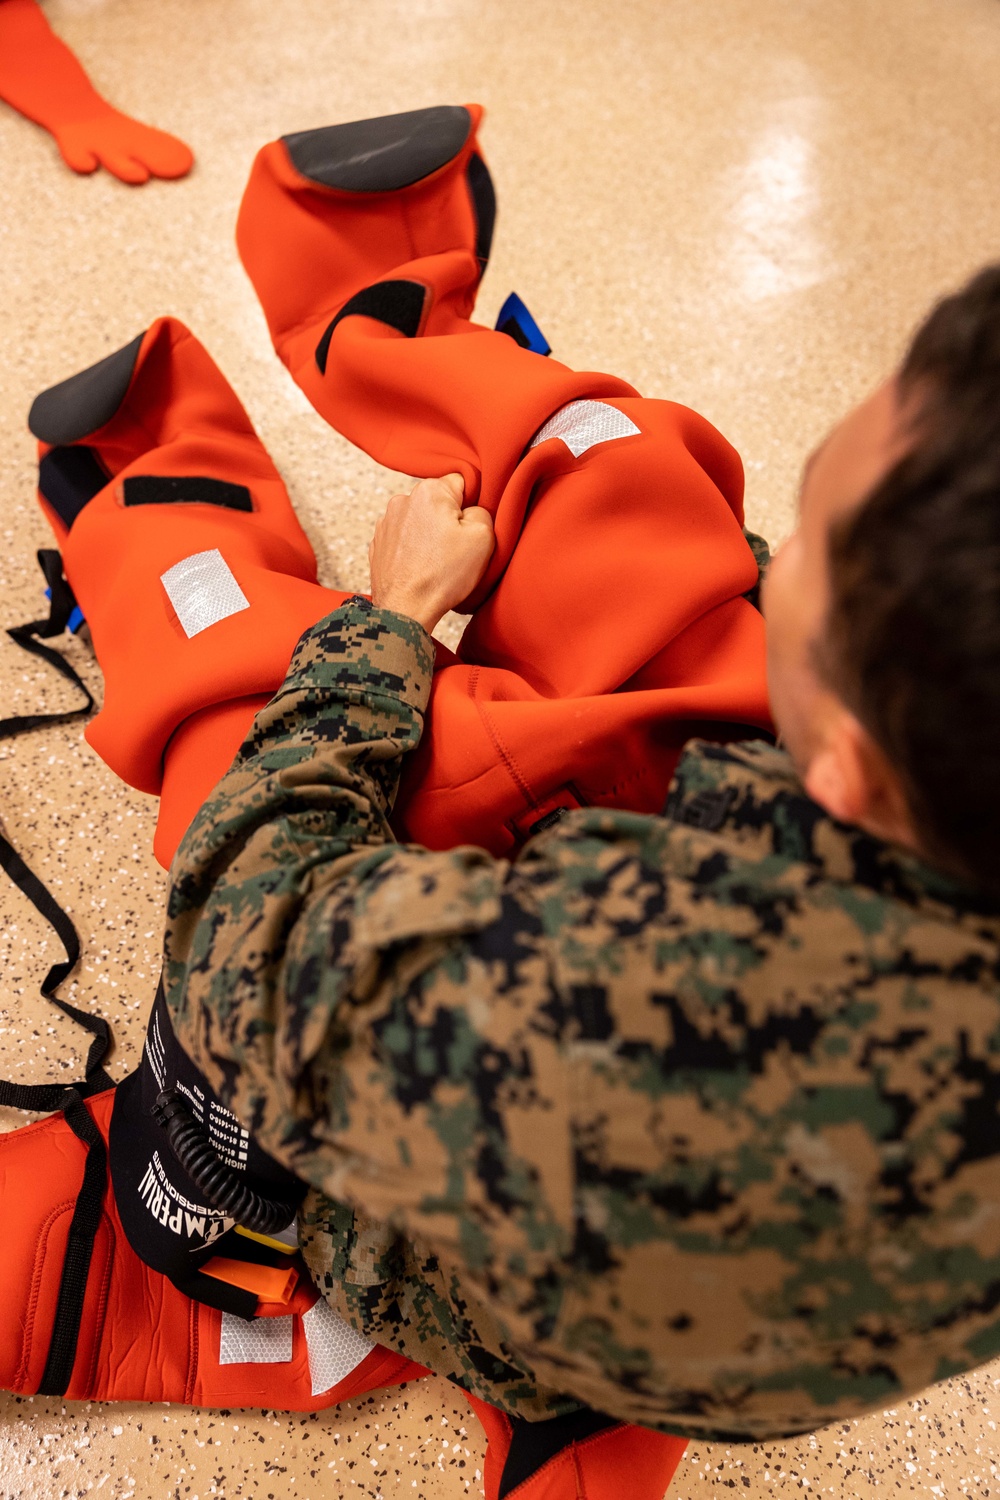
(691, 1119)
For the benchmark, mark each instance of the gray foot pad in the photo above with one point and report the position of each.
(76, 407)
(384, 154)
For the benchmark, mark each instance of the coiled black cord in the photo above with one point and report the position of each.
(223, 1187)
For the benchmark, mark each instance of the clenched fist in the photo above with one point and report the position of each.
(428, 554)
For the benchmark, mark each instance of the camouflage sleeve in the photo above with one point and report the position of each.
(762, 557)
(288, 889)
(332, 738)
(304, 806)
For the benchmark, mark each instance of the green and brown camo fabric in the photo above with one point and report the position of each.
(691, 1119)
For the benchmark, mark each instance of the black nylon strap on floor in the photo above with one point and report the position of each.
(50, 1096)
(29, 637)
(69, 1098)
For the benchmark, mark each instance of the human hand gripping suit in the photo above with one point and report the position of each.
(42, 79)
(197, 581)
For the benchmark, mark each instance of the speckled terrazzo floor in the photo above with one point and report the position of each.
(742, 205)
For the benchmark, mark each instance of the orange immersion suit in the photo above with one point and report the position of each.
(612, 622)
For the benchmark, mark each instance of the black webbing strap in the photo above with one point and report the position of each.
(79, 1250)
(69, 1098)
(61, 606)
(47, 1097)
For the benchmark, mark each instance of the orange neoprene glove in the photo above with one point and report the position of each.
(41, 78)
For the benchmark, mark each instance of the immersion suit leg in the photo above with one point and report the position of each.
(149, 463)
(172, 519)
(620, 560)
(139, 1338)
(618, 528)
(582, 1456)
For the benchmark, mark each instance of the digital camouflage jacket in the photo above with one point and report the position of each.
(692, 1119)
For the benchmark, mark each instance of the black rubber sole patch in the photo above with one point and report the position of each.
(399, 304)
(75, 408)
(68, 478)
(484, 206)
(184, 489)
(383, 154)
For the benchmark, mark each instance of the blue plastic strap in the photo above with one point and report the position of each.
(516, 321)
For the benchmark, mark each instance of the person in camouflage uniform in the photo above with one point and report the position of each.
(691, 1119)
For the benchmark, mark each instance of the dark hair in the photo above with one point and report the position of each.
(913, 640)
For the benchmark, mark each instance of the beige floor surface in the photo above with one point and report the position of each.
(742, 204)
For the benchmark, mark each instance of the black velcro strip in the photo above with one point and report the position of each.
(484, 206)
(534, 1443)
(399, 304)
(185, 489)
(69, 478)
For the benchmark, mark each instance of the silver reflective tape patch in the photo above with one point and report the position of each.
(583, 424)
(203, 591)
(265, 1341)
(335, 1349)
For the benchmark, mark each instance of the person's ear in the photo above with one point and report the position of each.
(850, 777)
(835, 775)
